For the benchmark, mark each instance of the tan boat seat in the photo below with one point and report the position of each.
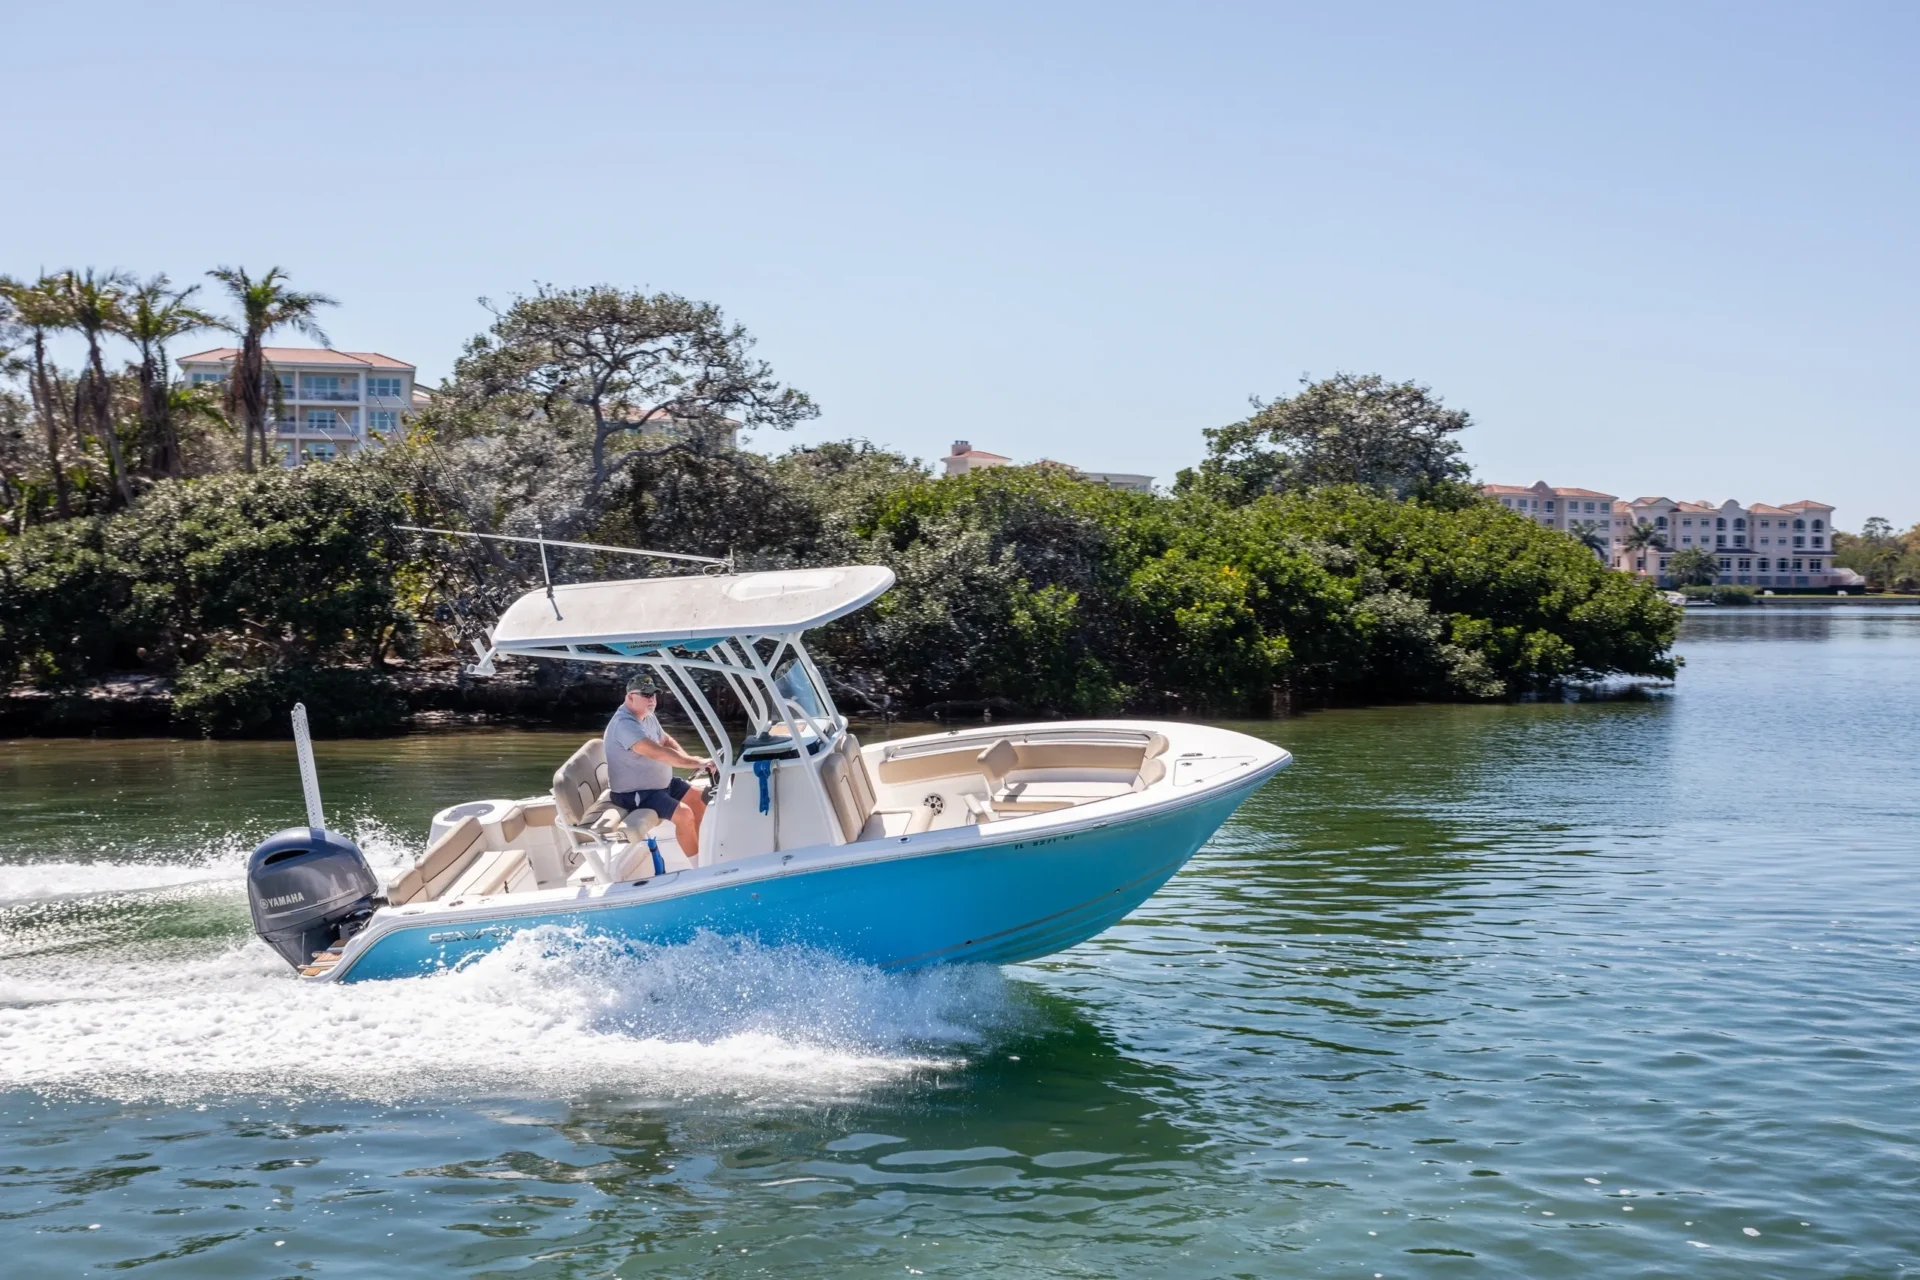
(436, 869)
(494, 871)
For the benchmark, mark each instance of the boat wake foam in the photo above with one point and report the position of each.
(552, 1013)
(116, 873)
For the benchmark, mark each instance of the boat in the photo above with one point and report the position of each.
(990, 844)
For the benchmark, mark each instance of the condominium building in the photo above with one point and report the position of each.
(324, 403)
(1788, 546)
(965, 458)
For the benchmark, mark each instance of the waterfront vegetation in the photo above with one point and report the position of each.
(1328, 548)
(1889, 561)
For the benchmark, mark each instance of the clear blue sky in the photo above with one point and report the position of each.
(1657, 248)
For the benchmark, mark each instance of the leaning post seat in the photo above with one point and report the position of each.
(580, 791)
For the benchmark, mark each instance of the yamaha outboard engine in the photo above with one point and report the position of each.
(308, 887)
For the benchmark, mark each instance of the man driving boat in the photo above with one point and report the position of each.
(641, 758)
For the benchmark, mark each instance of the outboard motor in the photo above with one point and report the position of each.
(307, 887)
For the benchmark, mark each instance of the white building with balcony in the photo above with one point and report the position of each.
(1788, 547)
(324, 403)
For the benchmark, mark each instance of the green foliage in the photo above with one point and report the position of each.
(1889, 561)
(1693, 567)
(278, 568)
(1720, 595)
(1348, 429)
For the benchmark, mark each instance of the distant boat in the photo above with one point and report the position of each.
(994, 844)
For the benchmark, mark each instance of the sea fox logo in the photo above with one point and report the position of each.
(286, 899)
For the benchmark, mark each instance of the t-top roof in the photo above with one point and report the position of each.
(645, 613)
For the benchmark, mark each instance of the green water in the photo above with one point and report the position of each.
(1595, 988)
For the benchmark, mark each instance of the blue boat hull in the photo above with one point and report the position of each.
(993, 903)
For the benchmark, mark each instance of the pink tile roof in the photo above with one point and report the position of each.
(300, 355)
(1505, 488)
(1582, 493)
(982, 453)
(1762, 509)
(1808, 503)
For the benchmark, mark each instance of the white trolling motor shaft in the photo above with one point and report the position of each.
(309, 779)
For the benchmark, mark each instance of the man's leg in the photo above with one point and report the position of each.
(686, 828)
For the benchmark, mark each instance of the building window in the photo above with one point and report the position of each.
(1799, 524)
(1688, 539)
(1549, 504)
(319, 451)
(1746, 564)
(1739, 522)
(383, 420)
(1663, 563)
(1720, 522)
(1739, 539)
(1799, 541)
(327, 386)
(1816, 539)
(1814, 565)
(208, 379)
(384, 387)
(1687, 523)
(1660, 522)
(1763, 564)
(1797, 566)
(1719, 539)
(1818, 526)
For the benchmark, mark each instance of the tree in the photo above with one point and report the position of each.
(152, 315)
(1592, 536)
(633, 372)
(37, 308)
(1694, 567)
(265, 304)
(1642, 537)
(92, 306)
(1877, 553)
(1348, 429)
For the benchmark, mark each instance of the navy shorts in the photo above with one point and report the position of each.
(663, 802)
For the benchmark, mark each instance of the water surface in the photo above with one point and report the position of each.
(1594, 988)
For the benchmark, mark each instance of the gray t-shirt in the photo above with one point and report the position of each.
(627, 769)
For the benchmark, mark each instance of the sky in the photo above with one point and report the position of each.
(1663, 249)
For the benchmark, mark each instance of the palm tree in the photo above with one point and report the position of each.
(1642, 536)
(154, 314)
(39, 309)
(265, 304)
(1588, 531)
(93, 307)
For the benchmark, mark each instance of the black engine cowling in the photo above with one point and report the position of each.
(309, 889)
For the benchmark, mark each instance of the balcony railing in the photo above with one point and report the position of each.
(315, 393)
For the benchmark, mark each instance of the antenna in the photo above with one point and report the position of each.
(543, 542)
(309, 779)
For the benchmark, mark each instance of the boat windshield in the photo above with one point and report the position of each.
(795, 686)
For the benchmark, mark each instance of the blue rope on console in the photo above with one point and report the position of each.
(763, 769)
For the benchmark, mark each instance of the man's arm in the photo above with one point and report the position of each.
(669, 751)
